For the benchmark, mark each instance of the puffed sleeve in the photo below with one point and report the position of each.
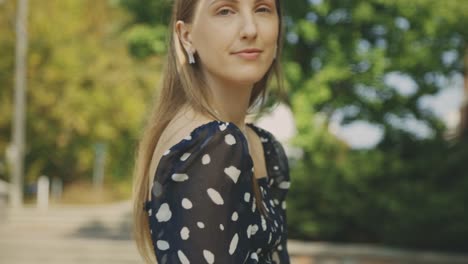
(202, 199)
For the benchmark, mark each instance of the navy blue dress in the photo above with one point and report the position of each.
(203, 208)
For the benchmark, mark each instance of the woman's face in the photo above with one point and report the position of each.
(235, 39)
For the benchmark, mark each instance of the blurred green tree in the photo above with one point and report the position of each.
(339, 57)
(83, 89)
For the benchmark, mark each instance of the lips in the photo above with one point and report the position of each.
(250, 50)
(250, 54)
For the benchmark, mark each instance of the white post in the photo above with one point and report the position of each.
(99, 162)
(19, 120)
(43, 192)
(56, 189)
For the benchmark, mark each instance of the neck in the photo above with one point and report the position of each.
(231, 101)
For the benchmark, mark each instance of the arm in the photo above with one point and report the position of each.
(203, 214)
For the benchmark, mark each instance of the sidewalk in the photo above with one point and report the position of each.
(102, 234)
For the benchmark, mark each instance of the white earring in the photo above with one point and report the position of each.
(190, 57)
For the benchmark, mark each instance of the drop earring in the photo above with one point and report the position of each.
(190, 57)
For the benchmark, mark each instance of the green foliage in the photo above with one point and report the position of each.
(83, 89)
(146, 33)
(144, 41)
(408, 190)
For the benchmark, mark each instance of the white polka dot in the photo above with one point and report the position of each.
(189, 137)
(254, 256)
(263, 139)
(284, 185)
(179, 177)
(184, 233)
(150, 212)
(233, 173)
(269, 238)
(209, 257)
(206, 159)
(234, 216)
(272, 204)
(276, 201)
(247, 197)
(182, 257)
(254, 230)
(280, 247)
(221, 227)
(186, 203)
(249, 231)
(254, 204)
(264, 225)
(162, 245)
(215, 196)
(167, 152)
(233, 244)
(185, 156)
(275, 167)
(278, 240)
(229, 139)
(200, 224)
(164, 213)
(223, 126)
(283, 205)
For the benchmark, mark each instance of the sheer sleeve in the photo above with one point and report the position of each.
(279, 172)
(202, 199)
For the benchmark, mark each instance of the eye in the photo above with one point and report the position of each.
(264, 9)
(224, 12)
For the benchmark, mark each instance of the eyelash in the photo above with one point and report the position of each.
(222, 11)
(267, 9)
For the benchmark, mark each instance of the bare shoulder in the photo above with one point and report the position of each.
(185, 121)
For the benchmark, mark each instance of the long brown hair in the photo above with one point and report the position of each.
(181, 85)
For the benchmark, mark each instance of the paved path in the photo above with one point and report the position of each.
(68, 234)
(101, 234)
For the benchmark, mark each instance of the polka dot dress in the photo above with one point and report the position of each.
(203, 208)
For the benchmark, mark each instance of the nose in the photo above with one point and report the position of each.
(249, 27)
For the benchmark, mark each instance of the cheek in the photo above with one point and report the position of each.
(209, 36)
(271, 32)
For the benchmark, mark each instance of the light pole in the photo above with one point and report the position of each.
(19, 121)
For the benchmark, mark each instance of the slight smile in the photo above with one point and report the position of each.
(249, 54)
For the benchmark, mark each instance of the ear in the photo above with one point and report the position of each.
(183, 31)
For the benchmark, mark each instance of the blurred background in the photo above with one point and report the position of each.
(374, 121)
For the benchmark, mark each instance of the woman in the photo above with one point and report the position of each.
(208, 187)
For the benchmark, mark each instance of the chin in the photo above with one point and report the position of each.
(247, 76)
(246, 81)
